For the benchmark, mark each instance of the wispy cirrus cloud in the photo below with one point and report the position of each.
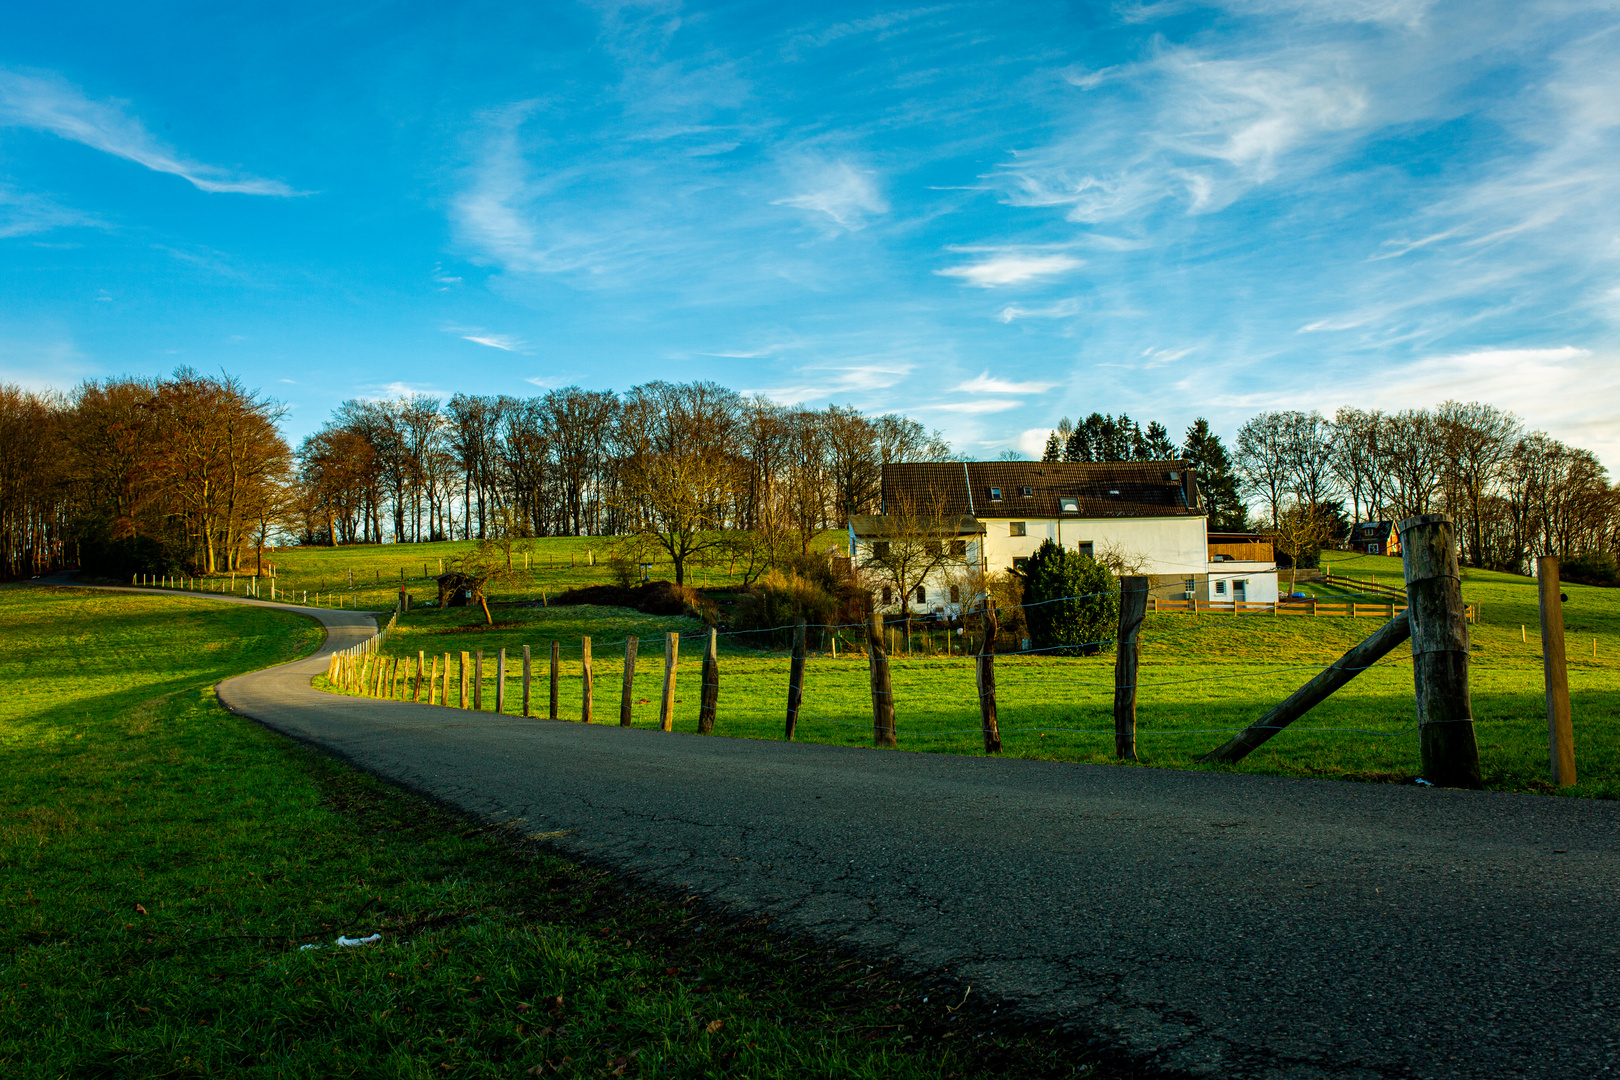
(46, 102)
(23, 213)
(1063, 309)
(1012, 269)
(984, 384)
(479, 336)
(845, 194)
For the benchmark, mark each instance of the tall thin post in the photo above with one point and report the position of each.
(666, 704)
(627, 695)
(444, 688)
(433, 682)
(1445, 715)
(795, 679)
(556, 665)
(987, 681)
(585, 673)
(882, 689)
(478, 680)
(1133, 592)
(526, 712)
(710, 697)
(500, 681)
(466, 662)
(1560, 730)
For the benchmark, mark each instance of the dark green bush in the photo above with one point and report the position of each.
(1592, 568)
(1069, 600)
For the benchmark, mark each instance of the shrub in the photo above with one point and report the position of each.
(818, 596)
(1070, 600)
(1593, 568)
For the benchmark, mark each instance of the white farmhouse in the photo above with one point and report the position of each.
(1146, 515)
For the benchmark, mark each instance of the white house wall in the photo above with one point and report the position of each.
(1261, 578)
(1169, 545)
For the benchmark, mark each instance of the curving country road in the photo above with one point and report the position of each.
(1205, 924)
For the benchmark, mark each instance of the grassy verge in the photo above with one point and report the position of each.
(165, 863)
(1202, 676)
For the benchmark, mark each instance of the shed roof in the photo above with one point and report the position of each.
(997, 489)
(952, 525)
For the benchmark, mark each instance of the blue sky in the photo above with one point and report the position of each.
(984, 215)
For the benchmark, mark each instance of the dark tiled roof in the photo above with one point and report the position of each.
(1372, 530)
(1104, 489)
(873, 525)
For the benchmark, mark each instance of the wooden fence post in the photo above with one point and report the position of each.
(500, 681)
(666, 705)
(444, 685)
(421, 662)
(1133, 593)
(433, 682)
(585, 672)
(465, 662)
(556, 665)
(710, 696)
(883, 733)
(1439, 652)
(795, 679)
(1555, 678)
(987, 680)
(526, 681)
(627, 695)
(478, 680)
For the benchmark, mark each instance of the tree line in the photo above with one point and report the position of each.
(193, 472)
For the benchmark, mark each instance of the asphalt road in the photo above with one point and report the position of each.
(1206, 924)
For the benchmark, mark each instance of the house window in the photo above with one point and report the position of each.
(1027, 492)
(1016, 528)
(959, 549)
(956, 594)
(1086, 548)
(922, 595)
(888, 595)
(1069, 506)
(995, 494)
(1220, 588)
(1372, 549)
(1019, 564)
(880, 549)
(932, 547)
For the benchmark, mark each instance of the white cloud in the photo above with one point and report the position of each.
(844, 193)
(22, 214)
(48, 103)
(479, 336)
(1012, 269)
(984, 384)
(1063, 309)
(987, 405)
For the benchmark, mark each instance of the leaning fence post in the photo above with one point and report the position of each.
(795, 679)
(710, 697)
(666, 704)
(556, 667)
(1439, 652)
(444, 687)
(1133, 593)
(525, 680)
(628, 693)
(465, 663)
(585, 673)
(478, 680)
(500, 681)
(883, 733)
(1560, 730)
(986, 665)
(433, 682)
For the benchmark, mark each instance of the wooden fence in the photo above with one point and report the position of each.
(1346, 608)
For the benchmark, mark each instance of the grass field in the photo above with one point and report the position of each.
(164, 863)
(1202, 677)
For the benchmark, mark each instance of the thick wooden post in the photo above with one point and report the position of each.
(500, 681)
(628, 694)
(433, 683)
(421, 662)
(478, 680)
(585, 673)
(466, 662)
(556, 664)
(666, 704)
(1439, 652)
(1560, 730)
(883, 733)
(526, 671)
(795, 680)
(987, 680)
(1133, 592)
(1313, 693)
(709, 698)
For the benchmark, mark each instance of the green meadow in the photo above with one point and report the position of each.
(173, 880)
(1203, 676)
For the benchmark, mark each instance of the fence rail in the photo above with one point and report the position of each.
(1349, 608)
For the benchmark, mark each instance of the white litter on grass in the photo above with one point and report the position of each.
(1420, 782)
(345, 942)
